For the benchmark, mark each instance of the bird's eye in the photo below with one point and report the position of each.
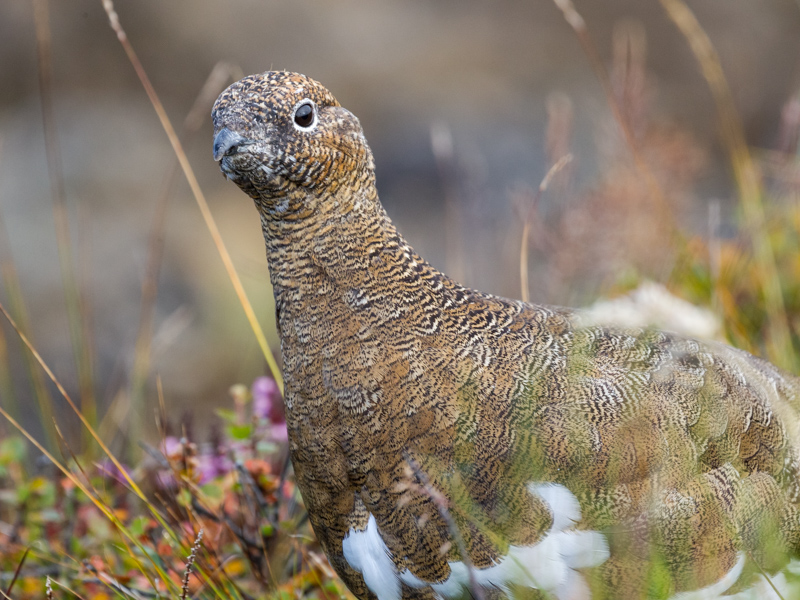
(304, 115)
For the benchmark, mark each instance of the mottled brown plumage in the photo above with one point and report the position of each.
(683, 456)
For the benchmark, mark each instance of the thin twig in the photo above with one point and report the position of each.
(17, 571)
(247, 478)
(190, 565)
(65, 446)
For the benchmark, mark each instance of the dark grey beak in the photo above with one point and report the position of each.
(227, 142)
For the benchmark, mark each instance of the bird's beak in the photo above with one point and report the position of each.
(227, 142)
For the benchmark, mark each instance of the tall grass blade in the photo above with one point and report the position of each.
(55, 172)
(779, 346)
(113, 18)
(576, 21)
(216, 80)
(12, 286)
(90, 494)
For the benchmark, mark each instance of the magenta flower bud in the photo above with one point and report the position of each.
(267, 400)
(108, 469)
(212, 466)
(170, 445)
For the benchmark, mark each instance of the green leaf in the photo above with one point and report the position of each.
(138, 526)
(12, 450)
(184, 498)
(240, 432)
(213, 492)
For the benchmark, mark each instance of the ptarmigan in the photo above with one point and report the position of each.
(576, 460)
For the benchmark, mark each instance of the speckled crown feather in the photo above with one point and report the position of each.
(263, 98)
(260, 108)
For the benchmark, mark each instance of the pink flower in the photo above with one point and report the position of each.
(170, 446)
(268, 406)
(109, 469)
(212, 466)
(267, 400)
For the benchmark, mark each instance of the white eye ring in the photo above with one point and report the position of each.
(301, 118)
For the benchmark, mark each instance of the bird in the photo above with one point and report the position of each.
(451, 443)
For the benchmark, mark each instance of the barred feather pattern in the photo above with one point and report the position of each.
(682, 455)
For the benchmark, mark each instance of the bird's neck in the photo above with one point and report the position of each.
(340, 253)
(308, 235)
(343, 280)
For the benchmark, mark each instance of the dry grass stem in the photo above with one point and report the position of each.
(526, 227)
(55, 171)
(577, 23)
(779, 343)
(211, 224)
(213, 85)
(765, 575)
(17, 572)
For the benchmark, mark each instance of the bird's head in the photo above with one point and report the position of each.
(283, 137)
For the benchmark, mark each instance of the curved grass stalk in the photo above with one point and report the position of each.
(123, 472)
(75, 302)
(779, 346)
(107, 512)
(199, 197)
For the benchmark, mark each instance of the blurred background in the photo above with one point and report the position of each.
(466, 104)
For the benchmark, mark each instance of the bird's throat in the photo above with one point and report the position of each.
(334, 264)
